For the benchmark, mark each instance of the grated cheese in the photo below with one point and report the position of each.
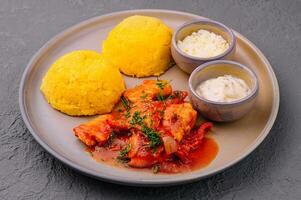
(203, 44)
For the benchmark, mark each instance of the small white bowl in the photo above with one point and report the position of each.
(188, 63)
(223, 111)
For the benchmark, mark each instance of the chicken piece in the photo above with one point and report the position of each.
(192, 141)
(148, 90)
(178, 119)
(139, 102)
(140, 154)
(94, 132)
(150, 114)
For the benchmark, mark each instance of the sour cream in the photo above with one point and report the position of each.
(225, 88)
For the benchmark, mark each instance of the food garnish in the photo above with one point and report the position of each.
(143, 96)
(153, 136)
(123, 154)
(125, 103)
(136, 119)
(160, 97)
(161, 84)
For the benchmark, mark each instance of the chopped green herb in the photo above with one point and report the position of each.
(152, 135)
(136, 119)
(155, 169)
(127, 115)
(161, 84)
(170, 97)
(119, 110)
(160, 97)
(126, 104)
(176, 94)
(143, 96)
(123, 154)
(125, 151)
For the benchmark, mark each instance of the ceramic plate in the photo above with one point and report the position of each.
(53, 130)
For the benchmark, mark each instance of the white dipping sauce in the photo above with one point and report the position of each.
(225, 88)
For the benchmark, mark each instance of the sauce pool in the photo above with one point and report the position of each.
(199, 158)
(204, 155)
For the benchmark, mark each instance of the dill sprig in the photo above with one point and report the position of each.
(161, 84)
(126, 104)
(127, 115)
(175, 94)
(143, 96)
(136, 119)
(160, 97)
(123, 154)
(151, 134)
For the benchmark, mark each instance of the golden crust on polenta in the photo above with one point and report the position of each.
(82, 83)
(139, 46)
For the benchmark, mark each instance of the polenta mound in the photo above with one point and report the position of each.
(82, 83)
(139, 46)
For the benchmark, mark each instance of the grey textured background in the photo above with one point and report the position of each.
(273, 171)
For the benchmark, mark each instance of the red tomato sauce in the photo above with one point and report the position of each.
(200, 158)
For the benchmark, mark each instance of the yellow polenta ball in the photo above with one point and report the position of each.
(82, 83)
(139, 46)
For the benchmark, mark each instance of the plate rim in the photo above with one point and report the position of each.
(139, 182)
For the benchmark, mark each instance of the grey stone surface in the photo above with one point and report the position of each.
(273, 171)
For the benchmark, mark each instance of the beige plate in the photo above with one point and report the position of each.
(53, 130)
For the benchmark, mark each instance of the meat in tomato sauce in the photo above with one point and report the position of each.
(151, 127)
